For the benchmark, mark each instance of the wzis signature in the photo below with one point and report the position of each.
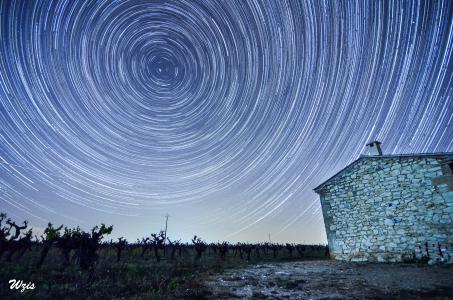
(20, 284)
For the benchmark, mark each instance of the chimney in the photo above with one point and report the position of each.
(374, 148)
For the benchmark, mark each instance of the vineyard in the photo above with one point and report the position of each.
(72, 263)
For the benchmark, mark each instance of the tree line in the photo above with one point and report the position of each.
(82, 247)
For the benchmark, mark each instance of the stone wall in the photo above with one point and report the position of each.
(389, 209)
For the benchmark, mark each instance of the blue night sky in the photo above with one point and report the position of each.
(223, 114)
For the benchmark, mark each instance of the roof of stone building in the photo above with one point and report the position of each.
(448, 155)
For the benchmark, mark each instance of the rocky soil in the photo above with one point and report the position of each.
(334, 280)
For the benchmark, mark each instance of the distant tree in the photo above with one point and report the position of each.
(158, 243)
(120, 245)
(290, 248)
(51, 234)
(90, 244)
(199, 245)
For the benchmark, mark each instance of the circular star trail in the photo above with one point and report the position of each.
(224, 113)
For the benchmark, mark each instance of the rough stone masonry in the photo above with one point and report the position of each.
(391, 208)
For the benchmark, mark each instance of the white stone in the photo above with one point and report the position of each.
(361, 220)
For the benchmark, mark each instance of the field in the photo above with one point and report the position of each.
(132, 276)
(69, 263)
(74, 264)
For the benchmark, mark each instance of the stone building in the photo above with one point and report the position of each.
(390, 207)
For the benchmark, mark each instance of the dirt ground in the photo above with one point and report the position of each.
(334, 280)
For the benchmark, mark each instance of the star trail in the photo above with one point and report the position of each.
(224, 114)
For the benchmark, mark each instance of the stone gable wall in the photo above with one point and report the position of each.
(387, 209)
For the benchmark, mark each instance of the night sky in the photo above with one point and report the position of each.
(223, 114)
